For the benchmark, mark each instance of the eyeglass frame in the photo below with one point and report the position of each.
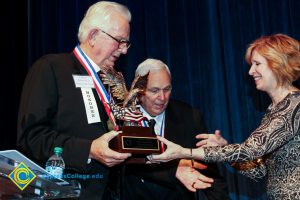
(120, 41)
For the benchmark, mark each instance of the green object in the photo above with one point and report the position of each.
(58, 150)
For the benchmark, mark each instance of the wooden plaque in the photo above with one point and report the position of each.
(136, 140)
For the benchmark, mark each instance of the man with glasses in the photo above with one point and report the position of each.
(178, 122)
(64, 103)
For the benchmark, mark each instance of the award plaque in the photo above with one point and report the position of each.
(136, 140)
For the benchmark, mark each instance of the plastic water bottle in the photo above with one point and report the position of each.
(55, 164)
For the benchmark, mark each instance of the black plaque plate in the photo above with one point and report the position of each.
(136, 140)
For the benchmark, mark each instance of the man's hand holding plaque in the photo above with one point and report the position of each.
(136, 137)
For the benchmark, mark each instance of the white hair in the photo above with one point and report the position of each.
(150, 65)
(98, 15)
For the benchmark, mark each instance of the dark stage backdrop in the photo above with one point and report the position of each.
(202, 41)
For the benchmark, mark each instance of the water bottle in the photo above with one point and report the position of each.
(55, 164)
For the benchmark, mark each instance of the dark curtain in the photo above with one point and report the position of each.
(202, 41)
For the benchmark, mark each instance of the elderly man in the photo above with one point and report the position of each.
(64, 102)
(179, 123)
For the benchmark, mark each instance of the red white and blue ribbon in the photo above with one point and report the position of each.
(103, 94)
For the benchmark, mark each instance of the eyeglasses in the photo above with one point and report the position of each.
(156, 90)
(122, 42)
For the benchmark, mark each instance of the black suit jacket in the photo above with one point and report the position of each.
(182, 123)
(52, 113)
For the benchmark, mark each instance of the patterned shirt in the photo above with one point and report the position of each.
(277, 140)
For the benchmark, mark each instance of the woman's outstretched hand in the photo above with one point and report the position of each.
(173, 151)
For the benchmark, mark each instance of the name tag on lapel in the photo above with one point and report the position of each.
(83, 81)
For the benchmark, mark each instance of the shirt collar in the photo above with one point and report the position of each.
(157, 118)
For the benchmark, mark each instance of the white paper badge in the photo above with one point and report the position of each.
(82, 81)
(90, 104)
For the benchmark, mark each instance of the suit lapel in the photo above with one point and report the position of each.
(78, 68)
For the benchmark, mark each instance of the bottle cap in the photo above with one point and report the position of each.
(58, 150)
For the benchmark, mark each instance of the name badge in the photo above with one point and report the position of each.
(90, 104)
(83, 81)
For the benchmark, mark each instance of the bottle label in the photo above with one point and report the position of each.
(57, 172)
